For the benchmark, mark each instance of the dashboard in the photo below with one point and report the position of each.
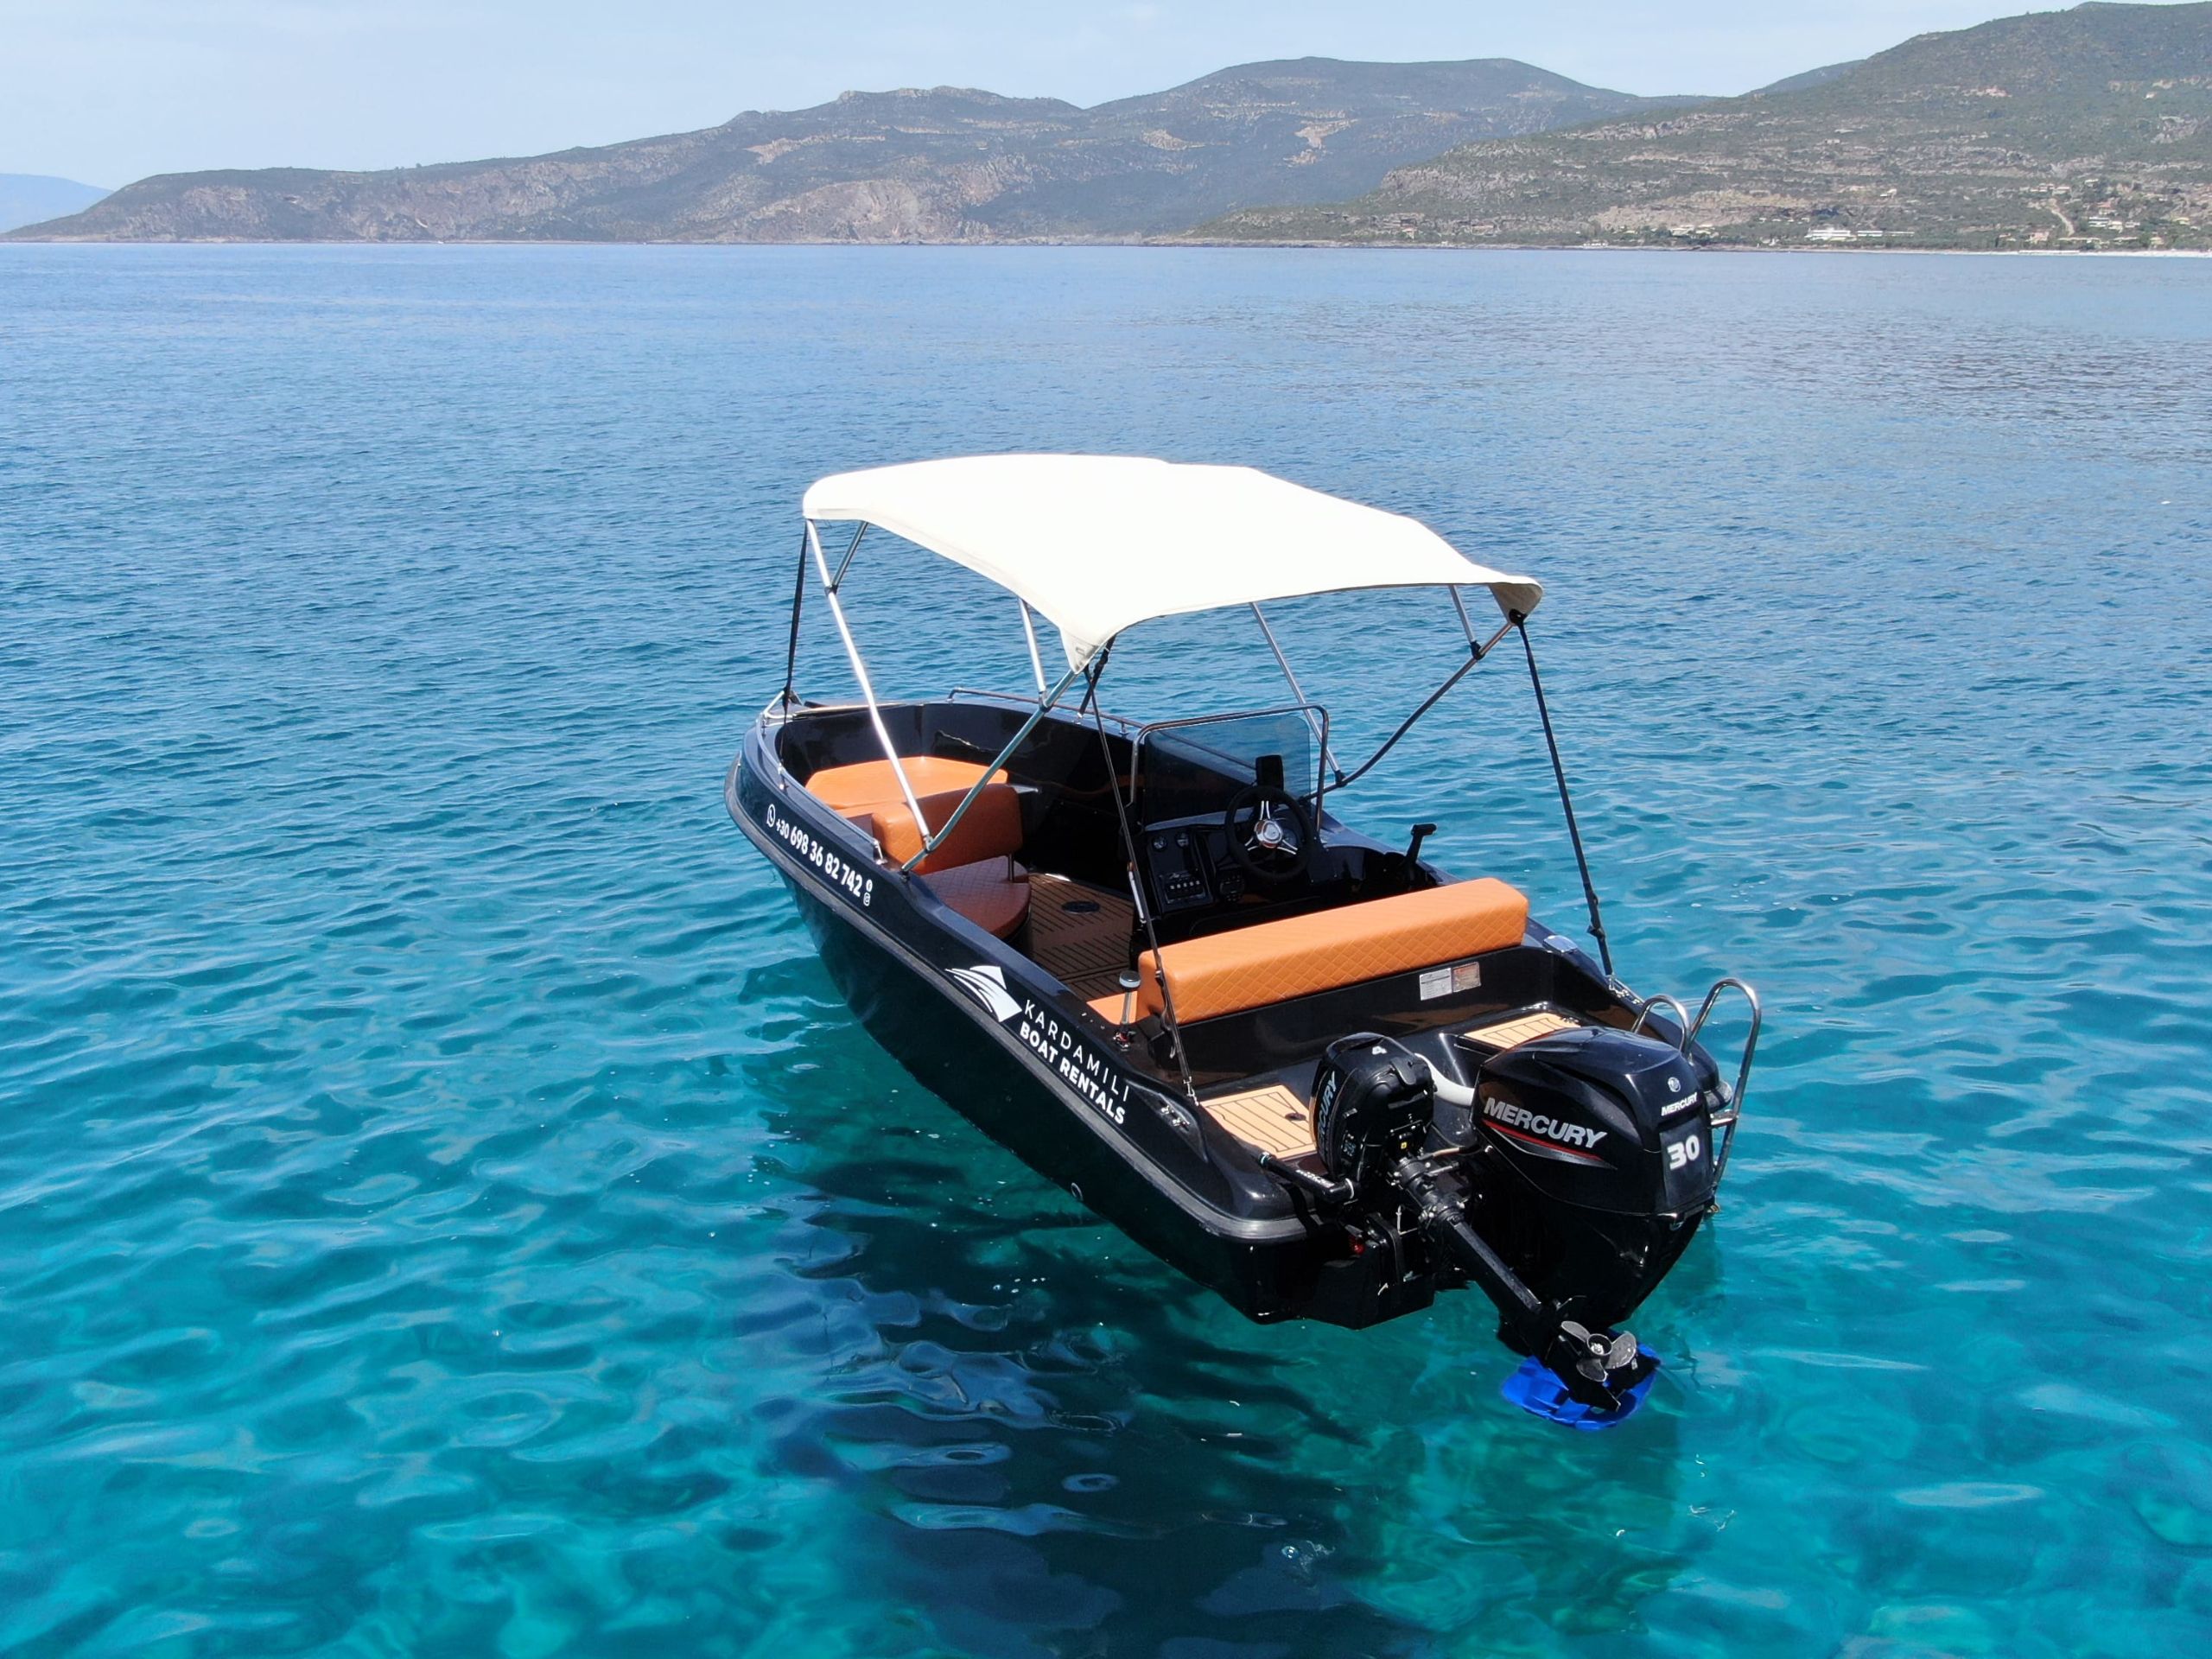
(1189, 868)
(1195, 885)
(1262, 768)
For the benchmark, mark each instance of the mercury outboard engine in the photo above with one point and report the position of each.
(1591, 1165)
(1609, 1138)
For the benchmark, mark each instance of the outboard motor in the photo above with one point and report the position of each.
(1593, 1166)
(1373, 1102)
(1610, 1139)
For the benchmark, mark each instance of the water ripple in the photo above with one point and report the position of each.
(444, 1208)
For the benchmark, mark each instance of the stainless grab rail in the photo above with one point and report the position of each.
(1733, 1106)
(1021, 701)
(1681, 1018)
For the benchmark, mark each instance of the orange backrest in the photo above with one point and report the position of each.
(856, 791)
(991, 829)
(1272, 961)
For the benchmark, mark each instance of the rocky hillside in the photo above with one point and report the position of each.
(946, 165)
(2089, 127)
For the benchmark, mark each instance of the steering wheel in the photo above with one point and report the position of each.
(1277, 844)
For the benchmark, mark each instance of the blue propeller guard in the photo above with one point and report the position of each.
(1536, 1391)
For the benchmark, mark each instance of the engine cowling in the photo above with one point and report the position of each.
(1603, 1119)
(1374, 1100)
(1598, 1164)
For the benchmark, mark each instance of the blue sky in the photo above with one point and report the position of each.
(107, 90)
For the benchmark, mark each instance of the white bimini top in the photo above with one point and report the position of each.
(1097, 543)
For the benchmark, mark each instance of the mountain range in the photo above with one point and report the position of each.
(945, 165)
(2088, 127)
(2060, 128)
(28, 198)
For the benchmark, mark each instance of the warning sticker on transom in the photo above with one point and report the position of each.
(1447, 981)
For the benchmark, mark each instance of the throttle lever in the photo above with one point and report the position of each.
(1328, 1188)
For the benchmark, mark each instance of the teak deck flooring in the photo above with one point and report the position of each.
(1510, 1033)
(1273, 1119)
(1276, 1120)
(1079, 934)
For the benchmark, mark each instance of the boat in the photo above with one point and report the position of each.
(1303, 1065)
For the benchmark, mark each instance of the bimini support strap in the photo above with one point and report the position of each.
(853, 654)
(932, 843)
(1566, 801)
(1136, 885)
(1476, 649)
(790, 650)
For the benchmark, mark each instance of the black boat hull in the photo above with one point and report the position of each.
(885, 958)
(1000, 1096)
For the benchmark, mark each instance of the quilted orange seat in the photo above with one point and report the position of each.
(991, 828)
(992, 892)
(1272, 961)
(857, 790)
(975, 872)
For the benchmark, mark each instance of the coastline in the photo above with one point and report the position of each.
(1180, 242)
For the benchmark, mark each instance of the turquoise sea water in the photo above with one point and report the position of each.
(445, 1209)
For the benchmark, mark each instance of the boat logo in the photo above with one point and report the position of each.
(1551, 1137)
(987, 984)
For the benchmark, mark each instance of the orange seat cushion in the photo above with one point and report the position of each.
(856, 791)
(991, 827)
(1274, 961)
(992, 892)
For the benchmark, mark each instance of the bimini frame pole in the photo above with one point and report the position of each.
(1559, 771)
(1029, 632)
(790, 650)
(932, 843)
(1467, 623)
(1136, 886)
(853, 653)
(1297, 690)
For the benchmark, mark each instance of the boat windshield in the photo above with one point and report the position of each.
(1188, 767)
